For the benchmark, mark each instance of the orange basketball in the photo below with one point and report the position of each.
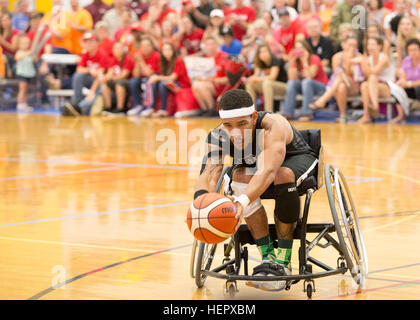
(211, 218)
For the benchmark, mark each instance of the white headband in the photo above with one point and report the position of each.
(235, 113)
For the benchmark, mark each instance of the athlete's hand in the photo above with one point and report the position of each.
(239, 212)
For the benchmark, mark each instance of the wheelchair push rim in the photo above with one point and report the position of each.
(205, 257)
(347, 223)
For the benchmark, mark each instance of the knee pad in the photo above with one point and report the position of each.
(287, 207)
(238, 188)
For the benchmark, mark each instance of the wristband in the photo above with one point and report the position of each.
(243, 200)
(199, 193)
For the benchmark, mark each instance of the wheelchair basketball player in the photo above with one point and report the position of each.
(270, 160)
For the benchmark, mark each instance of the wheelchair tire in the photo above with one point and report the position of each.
(205, 257)
(346, 223)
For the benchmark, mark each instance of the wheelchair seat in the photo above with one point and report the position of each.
(313, 138)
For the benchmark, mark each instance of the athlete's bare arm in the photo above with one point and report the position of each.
(276, 135)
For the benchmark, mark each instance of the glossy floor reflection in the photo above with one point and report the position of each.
(94, 208)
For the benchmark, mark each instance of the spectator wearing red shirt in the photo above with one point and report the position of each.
(9, 38)
(97, 9)
(189, 37)
(239, 18)
(116, 80)
(146, 64)
(88, 73)
(158, 10)
(172, 77)
(105, 42)
(122, 33)
(286, 34)
(307, 77)
(207, 90)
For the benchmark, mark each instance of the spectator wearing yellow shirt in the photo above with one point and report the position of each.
(80, 22)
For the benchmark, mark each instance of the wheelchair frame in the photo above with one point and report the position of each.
(349, 246)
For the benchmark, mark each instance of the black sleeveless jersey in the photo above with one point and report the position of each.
(220, 146)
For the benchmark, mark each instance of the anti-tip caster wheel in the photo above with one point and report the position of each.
(309, 288)
(231, 288)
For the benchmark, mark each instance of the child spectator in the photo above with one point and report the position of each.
(88, 74)
(207, 90)
(307, 77)
(230, 45)
(116, 81)
(269, 77)
(171, 78)
(25, 72)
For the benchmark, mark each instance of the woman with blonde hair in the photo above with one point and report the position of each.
(407, 29)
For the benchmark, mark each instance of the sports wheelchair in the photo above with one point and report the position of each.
(349, 245)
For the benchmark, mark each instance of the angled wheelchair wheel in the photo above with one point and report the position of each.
(202, 253)
(205, 257)
(347, 223)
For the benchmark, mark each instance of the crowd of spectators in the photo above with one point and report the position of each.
(133, 54)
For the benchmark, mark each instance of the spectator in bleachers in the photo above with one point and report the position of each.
(80, 22)
(410, 70)
(166, 34)
(97, 10)
(221, 4)
(2, 65)
(287, 34)
(137, 33)
(146, 64)
(25, 72)
(116, 81)
(9, 38)
(407, 29)
(320, 45)
(159, 10)
(207, 90)
(268, 18)
(139, 7)
(258, 33)
(343, 32)
(376, 12)
(114, 16)
(230, 45)
(88, 74)
(374, 30)
(391, 20)
(279, 6)
(20, 19)
(215, 25)
(269, 77)
(325, 14)
(307, 12)
(345, 80)
(189, 37)
(239, 18)
(4, 6)
(378, 73)
(105, 42)
(172, 77)
(258, 6)
(121, 34)
(199, 15)
(342, 13)
(307, 77)
(58, 20)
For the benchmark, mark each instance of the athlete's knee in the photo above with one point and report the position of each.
(287, 206)
(284, 175)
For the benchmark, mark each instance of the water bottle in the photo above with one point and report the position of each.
(357, 73)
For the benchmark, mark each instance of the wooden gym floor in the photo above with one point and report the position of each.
(89, 209)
